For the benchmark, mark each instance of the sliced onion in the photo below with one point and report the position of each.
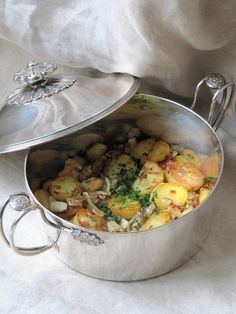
(113, 226)
(149, 210)
(107, 186)
(92, 206)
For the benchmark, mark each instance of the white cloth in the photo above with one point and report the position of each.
(170, 45)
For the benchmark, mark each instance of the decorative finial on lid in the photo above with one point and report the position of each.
(38, 83)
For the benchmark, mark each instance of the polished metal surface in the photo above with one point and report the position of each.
(215, 80)
(137, 256)
(140, 255)
(37, 84)
(34, 73)
(29, 93)
(46, 119)
(21, 202)
(219, 106)
(131, 256)
(89, 238)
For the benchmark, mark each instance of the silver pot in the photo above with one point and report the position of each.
(138, 255)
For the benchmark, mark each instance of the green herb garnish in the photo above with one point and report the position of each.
(210, 179)
(108, 215)
(125, 182)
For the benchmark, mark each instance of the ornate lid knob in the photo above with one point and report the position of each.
(35, 73)
(37, 83)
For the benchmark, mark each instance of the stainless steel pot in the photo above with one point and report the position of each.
(138, 255)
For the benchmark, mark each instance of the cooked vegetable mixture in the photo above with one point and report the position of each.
(130, 184)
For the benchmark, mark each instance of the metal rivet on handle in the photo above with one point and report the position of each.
(19, 203)
(215, 81)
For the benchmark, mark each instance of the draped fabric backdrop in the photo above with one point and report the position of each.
(169, 44)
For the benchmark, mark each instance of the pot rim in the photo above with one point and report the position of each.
(104, 233)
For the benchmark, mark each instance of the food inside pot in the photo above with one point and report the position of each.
(125, 182)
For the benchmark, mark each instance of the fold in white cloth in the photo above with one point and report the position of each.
(167, 43)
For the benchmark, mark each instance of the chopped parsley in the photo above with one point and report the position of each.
(152, 196)
(108, 215)
(210, 179)
(124, 188)
(125, 182)
(144, 200)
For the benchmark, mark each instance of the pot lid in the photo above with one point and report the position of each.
(49, 106)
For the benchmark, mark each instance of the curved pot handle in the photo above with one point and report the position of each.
(21, 202)
(226, 90)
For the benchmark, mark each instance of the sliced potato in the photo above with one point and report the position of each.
(43, 197)
(118, 163)
(169, 193)
(180, 158)
(159, 152)
(123, 206)
(142, 149)
(204, 192)
(71, 169)
(156, 220)
(96, 150)
(69, 213)
(150, 176)
(63, 187)
(185, 174)
(92, 184)
(191, 156)
(81, 162)
(86, 218)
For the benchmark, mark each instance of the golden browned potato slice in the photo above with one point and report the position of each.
(124, 206)
(92, 184)
(191, 156)
(169, 193)
(71, 169)
(69, 213)
(43, 197)
(185, 174)
(180, 158)
(63, 187)
(142, 149)
(204, 192)
(119, 162)
(96, 150)
(86, 218)
(156, 220)
(159, 152)
(150, 176)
